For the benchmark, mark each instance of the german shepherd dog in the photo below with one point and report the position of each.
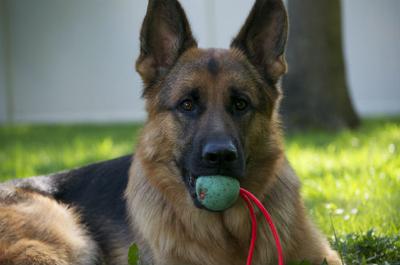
(210, 112)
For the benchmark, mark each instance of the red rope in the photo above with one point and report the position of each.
(247, 196)
(253, 228)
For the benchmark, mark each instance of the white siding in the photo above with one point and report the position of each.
(73, 61)
(198, 13)
(3, 97)
(372, 42)
(230, 16)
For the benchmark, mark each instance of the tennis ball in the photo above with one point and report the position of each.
(217, 193)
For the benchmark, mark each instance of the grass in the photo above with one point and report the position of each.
(353, 176)
(351, 179)
(351, 186)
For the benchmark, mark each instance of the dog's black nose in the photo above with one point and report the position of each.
(219, 151)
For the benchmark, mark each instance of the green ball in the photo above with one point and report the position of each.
(217, 193)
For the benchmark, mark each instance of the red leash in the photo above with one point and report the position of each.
(248, 197)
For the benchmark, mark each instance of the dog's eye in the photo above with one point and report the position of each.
(240, 104)
(187, 105)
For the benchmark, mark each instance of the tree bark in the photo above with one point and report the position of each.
(315, 88)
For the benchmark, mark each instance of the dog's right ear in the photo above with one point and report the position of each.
(165, 35)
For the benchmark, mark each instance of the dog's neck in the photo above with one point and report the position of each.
(158, 202)
(170, 222)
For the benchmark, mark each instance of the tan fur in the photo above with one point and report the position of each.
(35, 229)
(179, 233)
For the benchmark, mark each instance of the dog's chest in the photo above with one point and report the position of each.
(224, 242)
(230, 254)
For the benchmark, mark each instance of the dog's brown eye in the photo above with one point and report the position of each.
(187, 105)
(240, 104)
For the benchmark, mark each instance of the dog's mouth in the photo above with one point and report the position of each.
(191, 185)
(191, 175)
(191, 181)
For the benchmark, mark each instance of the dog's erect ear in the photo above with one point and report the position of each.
(165, 35)
(263, 38)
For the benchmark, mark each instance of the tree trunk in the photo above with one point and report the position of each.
(315, 88)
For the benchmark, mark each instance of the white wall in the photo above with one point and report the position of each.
(372, 42)
(230, 16)
(216, 22)
(199, 16)
(3, 101)
(74, 60)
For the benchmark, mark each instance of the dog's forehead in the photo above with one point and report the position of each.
(214, 60)
(212, 72)
(212, 66)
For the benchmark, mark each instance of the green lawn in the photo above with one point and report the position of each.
(351, 179)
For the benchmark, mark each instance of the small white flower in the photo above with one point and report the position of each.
(354, 211)
(339, 211)
(392, 148)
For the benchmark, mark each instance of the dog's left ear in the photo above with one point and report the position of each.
(263, 38)
(165, 35)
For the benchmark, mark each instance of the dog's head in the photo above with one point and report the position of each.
(214, 110)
